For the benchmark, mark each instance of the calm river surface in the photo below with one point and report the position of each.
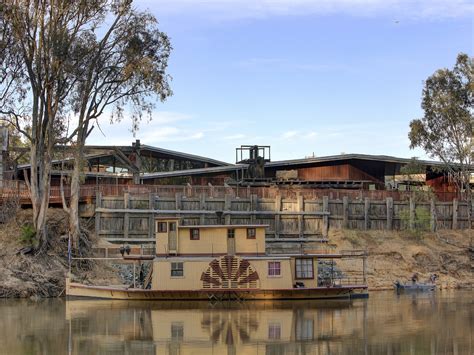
(440, 323)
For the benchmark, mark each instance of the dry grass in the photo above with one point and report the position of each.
(397, 255)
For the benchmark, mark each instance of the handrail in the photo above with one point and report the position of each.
(19, 188)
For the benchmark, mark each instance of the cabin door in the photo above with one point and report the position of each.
(231, 241)
(172, 238)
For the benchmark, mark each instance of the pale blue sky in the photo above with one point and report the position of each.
(305, 77)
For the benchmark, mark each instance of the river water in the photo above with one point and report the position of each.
(435, 323)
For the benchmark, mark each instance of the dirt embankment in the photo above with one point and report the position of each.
(398, 255)
(40, 275)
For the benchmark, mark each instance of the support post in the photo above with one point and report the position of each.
(412, 214)
(253, 207)
(366, 213)
(300, 201)
(126, 224)
(126, 200)
(277, 215)
(455, 213)
(326, 216)
(151, 201)
(151, 226)
(177, 197)
(151, 217)
(98, 204)
(202, 207)
(227, 207)
(389, 201)
(345, 212)
(432, 215)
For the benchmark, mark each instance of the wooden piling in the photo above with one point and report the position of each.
(177, 198)
(411, 222)
(277, 215)
(253, 207)
(345, 212)
(366, 213)
(433, 215)
(202, 207)
(227, 207)
(455, 213)
(325, 230)
(300, 208)
(389, 202)
(98, 204)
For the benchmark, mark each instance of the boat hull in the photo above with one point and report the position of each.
(414, 287)
(79, 290)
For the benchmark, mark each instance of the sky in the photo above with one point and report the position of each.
(305, 77)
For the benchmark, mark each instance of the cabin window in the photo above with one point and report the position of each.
(177, 331)
(251, 233)
(304, 268)
(274, 331)
(177, 269)
(194, 234)
(274, 268)
(231, 233)
(162, 227)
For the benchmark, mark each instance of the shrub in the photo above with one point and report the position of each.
(421, 221)
(28, 235)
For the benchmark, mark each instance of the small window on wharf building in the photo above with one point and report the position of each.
(194, 234)
(304, 268)
(177, 269)
(231, 233)
(251, 233)
(162, 227)
(274, 268)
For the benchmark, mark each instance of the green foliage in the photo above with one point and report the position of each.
(413, 167)
(421, 221)
(28, 236)
(445, 130)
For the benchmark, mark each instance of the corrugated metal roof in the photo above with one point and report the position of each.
(384, 158)
(213, 170)
(109, 151)
(163, 151)
(183, 155)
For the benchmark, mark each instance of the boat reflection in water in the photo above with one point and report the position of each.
(222, 328)
(429, 323)
(425, 323)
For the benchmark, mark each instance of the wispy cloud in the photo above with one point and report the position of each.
(235, 9)
(294, 134)
(289, 134)
(164, 117)
(164, 126)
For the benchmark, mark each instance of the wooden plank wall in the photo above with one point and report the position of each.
(131, 216)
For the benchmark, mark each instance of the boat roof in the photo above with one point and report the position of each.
(230, 226)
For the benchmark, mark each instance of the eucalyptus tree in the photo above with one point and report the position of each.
(86, 58)
(446, 129)
(37, 38)
(122, 72)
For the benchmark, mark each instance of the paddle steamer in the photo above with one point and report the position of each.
(220, 262)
